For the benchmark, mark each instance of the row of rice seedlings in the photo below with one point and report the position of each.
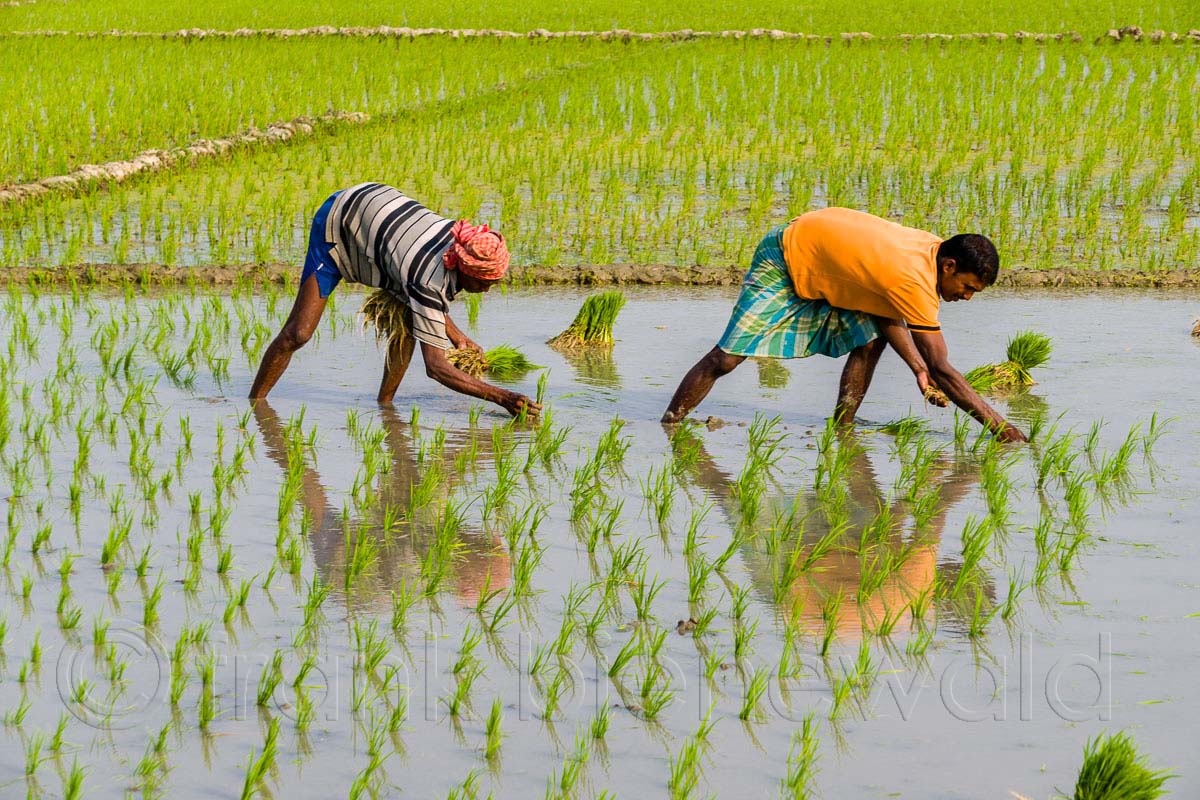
(175, 111)
(1106, 206)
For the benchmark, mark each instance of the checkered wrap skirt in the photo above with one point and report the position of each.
(770, 320)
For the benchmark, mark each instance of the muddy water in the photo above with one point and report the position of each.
(1109, 645)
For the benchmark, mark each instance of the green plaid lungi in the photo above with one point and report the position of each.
(770, 320)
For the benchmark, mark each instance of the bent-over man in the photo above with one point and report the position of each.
(375, 235)
(838, 281)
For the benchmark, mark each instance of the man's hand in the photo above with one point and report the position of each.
(1010, 433)
(930, 392)
(932, 348)
(466, 344)
(514, 403)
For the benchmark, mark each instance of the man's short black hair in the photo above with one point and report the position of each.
(974, 253)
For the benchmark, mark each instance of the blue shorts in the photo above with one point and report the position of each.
(318, 260)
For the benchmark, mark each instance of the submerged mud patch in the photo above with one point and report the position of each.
(1132, 33)
(549, 275)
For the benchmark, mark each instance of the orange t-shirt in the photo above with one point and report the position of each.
(861, 262)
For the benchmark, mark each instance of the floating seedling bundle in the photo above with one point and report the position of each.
(390, 317)
(593, 324)
(503, 362)
(1026, 351)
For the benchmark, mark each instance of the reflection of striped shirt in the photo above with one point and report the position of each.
(384, 239)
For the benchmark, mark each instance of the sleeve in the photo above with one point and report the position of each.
(917, 304)
(429, 305)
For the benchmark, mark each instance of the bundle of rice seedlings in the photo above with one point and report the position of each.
(593, 324)
(504, 362)
(472, 362)
(390, 317)
(936, 396)
(1196, 329)
(507, 361)
(1114, 770)
(1025, 351)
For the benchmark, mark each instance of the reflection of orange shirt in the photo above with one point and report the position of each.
(841, 571)
(861, 262)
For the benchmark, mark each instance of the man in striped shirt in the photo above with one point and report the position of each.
(374, 235)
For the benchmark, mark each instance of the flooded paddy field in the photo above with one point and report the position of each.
(337, 599)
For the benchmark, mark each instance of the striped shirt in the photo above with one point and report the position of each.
(384, 239)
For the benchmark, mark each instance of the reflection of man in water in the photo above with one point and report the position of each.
(840, 570)
(400, 552)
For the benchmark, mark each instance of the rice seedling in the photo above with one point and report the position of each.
(684, 771)
(552, 694)
(643, 593)
(1025, 351)
(743, 637)
(830, 611)
(16, 716)
(842, 690)
(977, 538)
(1113, 768)
(1015, 589)
(755, 688)
(598, 727)
(1155, 431)
(562, 784)
(980, 617)
(593, 325)
(493, 731)
(797, 783)
(658, 487)
(655, 692)
(150, 604)
(207, 707)
(626, 654)
(72, 781)
(33, 753)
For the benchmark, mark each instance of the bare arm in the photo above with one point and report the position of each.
(932, 348)
(896, 334)
(459, 339)
(438, 367)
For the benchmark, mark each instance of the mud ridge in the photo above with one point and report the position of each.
(1131, 33)
(151, 275)
(158, 160)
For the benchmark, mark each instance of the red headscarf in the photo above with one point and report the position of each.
(477, 251)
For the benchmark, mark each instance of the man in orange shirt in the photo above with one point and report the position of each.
(837, 282)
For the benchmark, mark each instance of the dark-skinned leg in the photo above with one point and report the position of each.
(298, 329)
(699, 382)
(856, 379)
(394, 369)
